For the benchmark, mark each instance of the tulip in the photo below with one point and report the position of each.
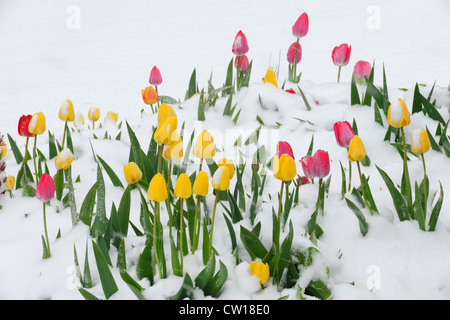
(3, 149)
(204, 147)
(93, 115)
(174, 152)
(112, 116)
(229, 164)
(200, 188)
(45, 190)
(284, 147)
(79, 121)
(240, 45)
(24, 122)
(343, 132)
(294, 54)
(362, 70)
(164, 131)
(420, 143)
(301, 26)
(271, 77)
(66, 112)
(341, 56)
(150, 96)
(64, 159)
(261, 270)
(183, 190)
(132, 173)
(290, 90)
(155, 77)
(243, 63)
(10, 182)
(164, 111)
(36, 126)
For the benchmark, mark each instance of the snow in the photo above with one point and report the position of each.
(106, 60)
(65, 108)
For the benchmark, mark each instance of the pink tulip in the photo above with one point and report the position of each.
(316, 166)
(45, 189)
(362, 70)
(303, 180)
(155, 77)
(344, 133)
(341, 55)
(290, 90)
(300, 28)
(243, 63)
(284, 147)
(291, 53)
(240, 46)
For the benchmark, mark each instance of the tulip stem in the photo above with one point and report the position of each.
(424, 185)
(318, 195)
(168, 201)
(349, 175)
(405, 170)
(212, 222)
(45, 229)
(339, 74)
(181, 233)
(295, 62)
(155, 237)
(277, 240)
(34, 158)
(196, 220)
(157, 94)
(237, 72)
(161, 147)
(25, 159)
(64, 136)
(362, 188)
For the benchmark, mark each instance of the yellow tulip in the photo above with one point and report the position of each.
(261, 270)
(164, 111)
(164, 131)
(132, 173)
(221, 178)
(229, 164)
(37, 123)
(204, 146)
(284, 168)
(356, 150)
(420, 142)
(271, 77)
(201, 184)
(10, 181)
(66, 112)
(3, 149)
(174, 152)
(64, 159)
(79, 120)
(157, 190)
(112, 116)
(398, 114)
(183, 187)
(94, 113)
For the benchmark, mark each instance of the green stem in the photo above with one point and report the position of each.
(168, 201)
(64, 136)
(405, 169)
(295, 61)
(424, 185)
(45, 228)
(155, 238)
(339, 74)
(237, 72)
(362, 188)
(212, 222)
(285, 201)
(157, 94)
(279, 212)
(161, 147)
(196, 228)
(181, 233)
(34, 158)
(349, 175)
(318, 195)
(93, 124)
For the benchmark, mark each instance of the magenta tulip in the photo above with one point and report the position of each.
(341, 55)
(155, 77)
(306, 162)
(301, 26)
(316, 166)
(294, 48)
(344, 133)
(362, 70)
(45, 189)
(290, 90)
(243, 63)
(284, 147)
(240, 46)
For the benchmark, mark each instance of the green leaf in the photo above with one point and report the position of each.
(132, 284)
(367, 97)
(121, 257)
(311, 146)
(228, 79)
(186, 290)
(431, 110)
(354, 94)
(418, 212)
(123, 211)
(145, 264)
(397, 198)
(201, 106)
(205, 276)
(71, 195)
(192, 89)
(87, 207)
(100, 221)
(59, 184)
(436, 210)
(377, 115)
(52, 151)
(112, 175)
(368, 194)
(363, 226)
(45, 249)
(28, 191)
(108, 283)
(252, 243)
(87, 279)
(87, 295)
(231, 232)
(319, 289)
(433, 143)
(417, 101)
(344, 181)
(176, 265)
(305, 101)
(167, 100)
(216, 283)
(17, 154)
(282, 258)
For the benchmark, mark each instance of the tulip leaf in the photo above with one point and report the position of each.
(28, 191)
(167, 100)
(45, 249)
(227, 109)
(71, 195)
(281, 259)
(417, 101)
(354, 94)
(305, 101)
(59, 184)
(319, 289)
(228, 80)
(433, 143)
(417, 208)
(121, 257)
(87, 295)
(368, 194)
(397, 198)
(123, 211)
(363, 226)
(100, 221)
(186, 290)
(17, 154)
(145, 264)
(205, 276)
(377, 115)
(245, 79)
(132, 284)
(52, 151)
(252, 243)
(344, 181)
(87, 279)
(176, 265)
(192, 89)
(431, 110)
(436, 210)
(231, 232)
(216, 283)
(206, 243)
(112, 175)
(69, 141)
(108, 283)
(87, 207)
(376, 94)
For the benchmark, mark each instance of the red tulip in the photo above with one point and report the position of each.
(303, 180)
(243, 63)
(301, 26)
(341, 55)
(23, 126)
(362, 70)
(290, 90)
(45, 189)
(291, 53)
(316, 166)
(240, 46)
(284, 147)
(344, 133)
(155, 77)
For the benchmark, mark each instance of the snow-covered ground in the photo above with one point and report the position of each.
(100, 53)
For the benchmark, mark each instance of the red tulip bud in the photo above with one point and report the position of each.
(341, 55)
(301, 26)
(243, 63)
(45, 189)
(362, 70)
(291, 53)
(284, 147)
(240, 46)
(23, 126)
(155, 77)
(344, 133)
(316, 166)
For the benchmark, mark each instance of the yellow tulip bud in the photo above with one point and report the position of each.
(284, 168)
(174, 152)
(164, 131)
(420, 142)
(94, 113)
(201, 184)
(221, 178)
(157, 190)
(204, 146)
(113, 116)
(64, 159)
(10, 181)
(66, 112)
(183, 187)
(37, 123)
(3, 149)
(228, 163)
(79, 121)
(261, 270)
(398, 114)
(356, 150)
(271, 77)
(132, 173)
(164, 111)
